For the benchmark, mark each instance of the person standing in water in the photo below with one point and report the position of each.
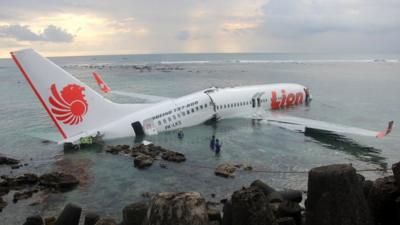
(218, 146)
(180, 134)
(212, 143)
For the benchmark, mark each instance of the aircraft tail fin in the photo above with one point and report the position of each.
(387, 131)
(73, 106)
(103, 86)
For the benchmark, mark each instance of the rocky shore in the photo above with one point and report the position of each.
(336, 194)
(145, 155)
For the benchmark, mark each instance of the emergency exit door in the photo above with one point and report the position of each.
(138, 128)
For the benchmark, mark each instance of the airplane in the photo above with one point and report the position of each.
(78, 111)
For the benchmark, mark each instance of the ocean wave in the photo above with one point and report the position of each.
(145, 65)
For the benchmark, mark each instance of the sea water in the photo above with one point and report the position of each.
(355, 90)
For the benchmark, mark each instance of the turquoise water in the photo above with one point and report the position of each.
(355, 90)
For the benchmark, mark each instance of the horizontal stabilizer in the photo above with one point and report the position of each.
(301, 124)
(106, 89)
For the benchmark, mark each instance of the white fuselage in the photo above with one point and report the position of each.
(199, 107)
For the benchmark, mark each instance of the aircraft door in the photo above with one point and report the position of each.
(138, 128)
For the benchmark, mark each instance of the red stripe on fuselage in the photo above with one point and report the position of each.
(38, 95)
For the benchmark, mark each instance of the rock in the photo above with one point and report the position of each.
(28, 179)
(4, 190)
(381, 200)
(106, 221)
(14, 167)
(23, 195)
(227, 212)
(134, 214)
(149, 150)
(214, 222)
(213, 212)
(58, 181)
(291, 195)
(275, 197)
(335, 196)
(248, 168)
(70, 215)
(263, 187)
(142, 161)
(290, 209)
(169, 208)
(251, 207)
(8, 161)
(396, 173)
(3, 204)
(173, 156)
(367, 186)
(91, 218)
(34, 220)
(286, 221)
(398, 209)
(225, 170)
(50, 220)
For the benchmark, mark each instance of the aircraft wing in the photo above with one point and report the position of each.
(302, 124)
(106, 89)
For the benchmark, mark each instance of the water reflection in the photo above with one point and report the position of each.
(341, 143)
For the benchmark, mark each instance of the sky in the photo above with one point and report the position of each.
(98, 27)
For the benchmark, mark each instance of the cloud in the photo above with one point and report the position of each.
(293, 18)
(23, 33)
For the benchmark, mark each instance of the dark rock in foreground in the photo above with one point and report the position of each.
(265, 188)
(91, 218)
(106, 221)
(58, 181)
(251, 207)
(335, 196)
(396, 173)
(170, 208)
(70, 215)
(382, 200)
(34, 220)
(134, 214)
(8, 161)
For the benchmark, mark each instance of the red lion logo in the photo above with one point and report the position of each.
(70, 106)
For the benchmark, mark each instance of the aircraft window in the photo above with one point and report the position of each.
(188, 112)
(197, 108)
(201, 106)
(234, 104)
(231, 105)
(224, 106)
(192, 110)
(159, 122)
(165, 121)
(205, 105)
(174, 117)
(169, 119)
